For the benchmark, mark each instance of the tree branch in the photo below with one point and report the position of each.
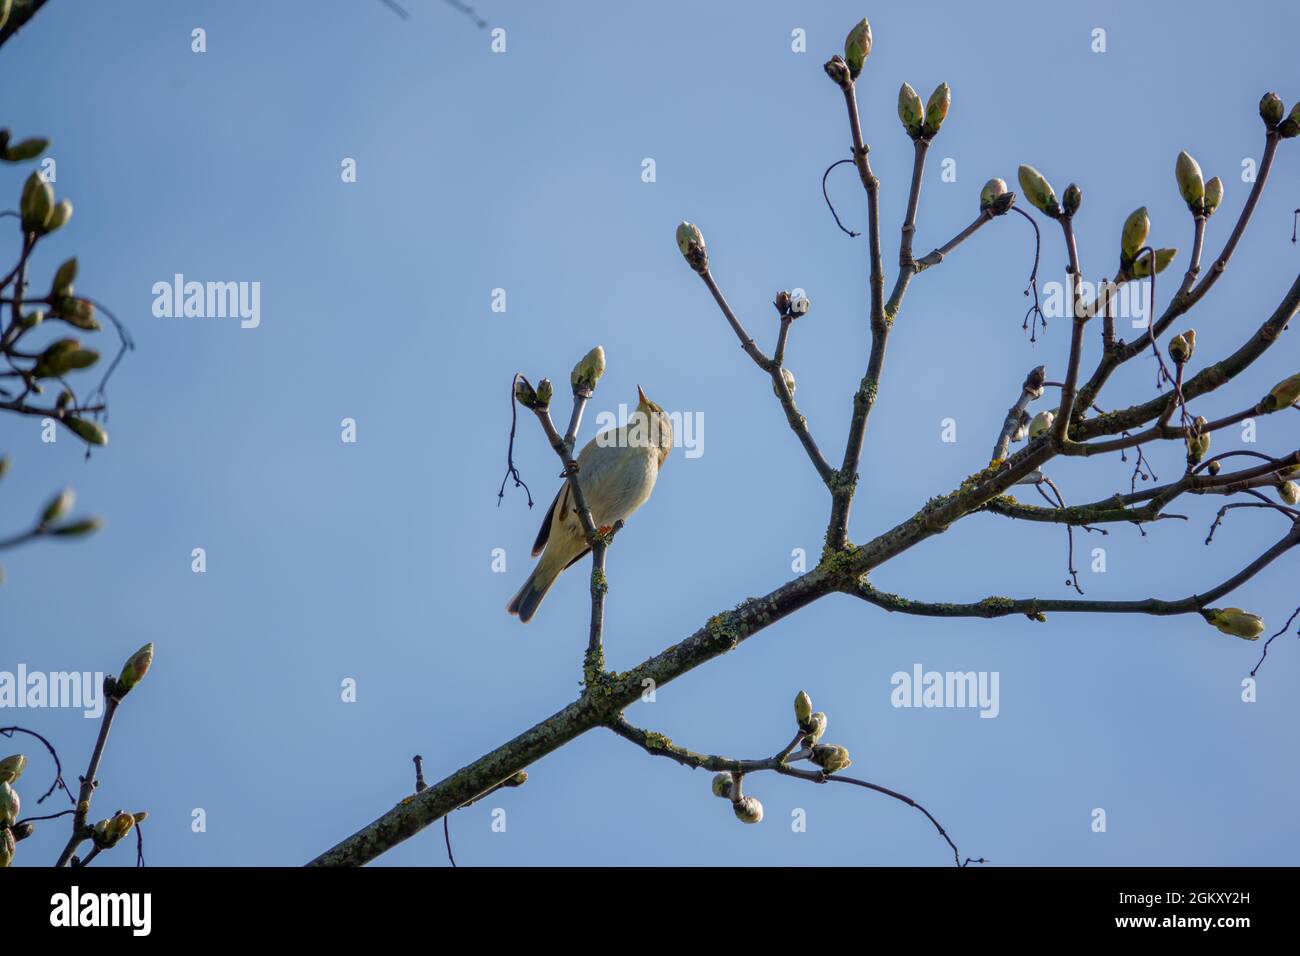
(992, 607)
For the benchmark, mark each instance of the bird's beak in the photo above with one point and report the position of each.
(641, 395)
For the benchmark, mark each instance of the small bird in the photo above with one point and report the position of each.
(617, 471)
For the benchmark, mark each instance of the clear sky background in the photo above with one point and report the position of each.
(522, 171)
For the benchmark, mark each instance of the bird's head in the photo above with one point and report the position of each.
(659, 425)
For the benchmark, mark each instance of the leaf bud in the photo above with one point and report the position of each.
(1235, 621)
(1134, 234)
(1289, 492)
(1213, 195)
(830, 757)
(1072, 198)
(691, 243)
(10, 804)
(722, 785)
(1283, 395)
(1039, 191)
(1142, 266)
(910, 110)
(86, 430)
(545, 390)
(134, 669)
(1271, 109)
(936, 109)
(1190, 182)
(857, 47)
(748, 809)
(12, 767)
(588, 370)
(59, 506)
(802, 707)
(814, 728)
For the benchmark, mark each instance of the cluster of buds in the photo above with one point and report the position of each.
(923, 122)
(791, 306)
(11, 768)
(691, 243)
(62, 357)
(1198, 442)
(40, 213)
(1283, 395)
(1271, 111)
(746, 809)
(829, 757)
(995, 198)
(843, 70)
(107, 833)
(1202, 198)
(65, 306)
(1182, 346)
(1235, 621)
(812, 726)
(51, 519)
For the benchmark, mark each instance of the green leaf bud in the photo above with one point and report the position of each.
(134, 669)
(87, 430)
(588, 370)
(1190, 182)
(1039, 191)
(12, 767)
(911, 111)
(830, 757)
(1134, 234)
(1235, 621)
(59, 506)
(857, 47)
(936, 109)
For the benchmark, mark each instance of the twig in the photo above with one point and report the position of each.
(1035, 311)
(511, 470)
(829, 205)
(88, 781)
(59, 783)
(1285, 627)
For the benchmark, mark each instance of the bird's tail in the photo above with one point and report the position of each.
(526, 601)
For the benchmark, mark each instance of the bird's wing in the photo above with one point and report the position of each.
(544, 532)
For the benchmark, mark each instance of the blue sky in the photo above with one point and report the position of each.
(522, 170)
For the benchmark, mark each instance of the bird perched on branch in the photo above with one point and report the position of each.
(617, 471)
